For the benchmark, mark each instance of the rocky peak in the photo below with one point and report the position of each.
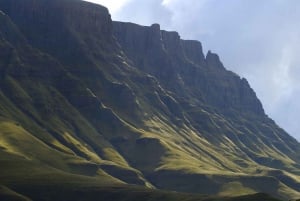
(147, 41)
(193, 51)
(213, 60)
(155, 27)
(171, 42)
(248, 98)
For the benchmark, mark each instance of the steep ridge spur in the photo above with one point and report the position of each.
(113, 103)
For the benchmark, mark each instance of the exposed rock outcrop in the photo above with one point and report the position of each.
(180, 65)
(103, 100)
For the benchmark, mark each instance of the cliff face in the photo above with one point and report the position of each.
(112, 103)
(181, 65)
(70, 26)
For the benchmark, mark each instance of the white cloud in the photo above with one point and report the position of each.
(113, 5)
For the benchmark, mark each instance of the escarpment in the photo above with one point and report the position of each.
(91, 105)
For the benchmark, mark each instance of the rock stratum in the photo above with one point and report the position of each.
(95, 109)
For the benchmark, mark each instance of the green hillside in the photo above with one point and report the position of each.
(117, 111)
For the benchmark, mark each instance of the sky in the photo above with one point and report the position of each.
(258, 39)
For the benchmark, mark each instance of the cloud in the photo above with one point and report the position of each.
(257, 39)
(144, 12)
(113, 5)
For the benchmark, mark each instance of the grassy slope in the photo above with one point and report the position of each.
(9, 195)
(41, 127)
(62, 127)
(122, 193)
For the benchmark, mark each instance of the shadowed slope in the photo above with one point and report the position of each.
(108, 103)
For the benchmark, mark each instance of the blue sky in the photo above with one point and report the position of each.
(258, 39)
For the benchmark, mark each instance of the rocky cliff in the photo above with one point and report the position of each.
(101, 103)
(180, 65)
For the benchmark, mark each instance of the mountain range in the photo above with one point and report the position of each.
(96, 109)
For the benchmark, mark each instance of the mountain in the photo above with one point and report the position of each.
(95, 109)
